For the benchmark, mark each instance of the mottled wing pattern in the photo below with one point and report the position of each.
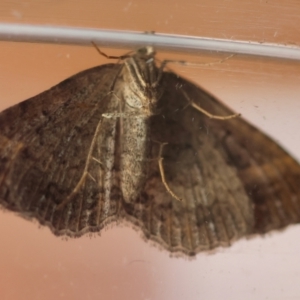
(53, 148)
(234, 180)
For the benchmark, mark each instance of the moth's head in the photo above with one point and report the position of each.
(146, 52)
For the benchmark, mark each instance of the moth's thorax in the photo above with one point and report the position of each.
(140, 76)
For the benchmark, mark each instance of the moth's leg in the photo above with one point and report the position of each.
(85, 171)
(162, 173)
(205, 112)
(121, 57)
(91, 177)
(97, 160)
(185, 63)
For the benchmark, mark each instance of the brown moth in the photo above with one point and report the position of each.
(132, 142)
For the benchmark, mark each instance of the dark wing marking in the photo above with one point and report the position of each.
(52, 152)
(235, 181)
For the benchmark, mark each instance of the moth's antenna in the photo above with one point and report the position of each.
(109, 56)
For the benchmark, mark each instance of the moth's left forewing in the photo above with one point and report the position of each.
(258, 168)
(234, 180)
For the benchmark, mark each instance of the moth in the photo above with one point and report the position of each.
(132, 142)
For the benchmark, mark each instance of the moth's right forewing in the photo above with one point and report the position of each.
(56, 144)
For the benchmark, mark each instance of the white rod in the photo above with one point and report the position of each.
(127, 39)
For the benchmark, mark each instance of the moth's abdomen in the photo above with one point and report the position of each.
(135, 151)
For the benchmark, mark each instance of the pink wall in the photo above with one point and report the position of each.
(34, 264)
